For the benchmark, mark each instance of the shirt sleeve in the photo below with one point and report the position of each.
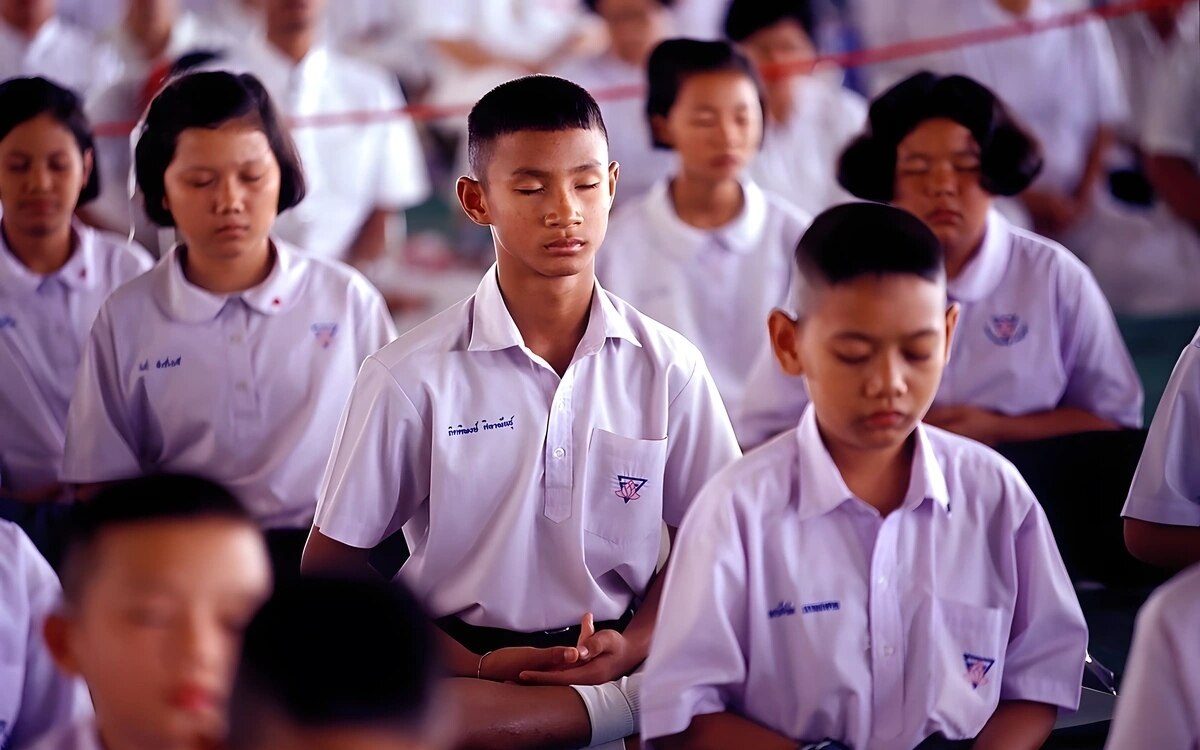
(101, 444)
(1112, 102)
(773, 402)
(1101, 377)
(1048, 639)
(1160, 697)
(402, 179)
(1175, 106)
(697, 662)
(378, 474)
(49, 698)
(1166, 485)
(700, 442)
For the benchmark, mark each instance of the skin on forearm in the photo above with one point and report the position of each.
(1178, 184)
(329, 556)
(371, 242)
(641, 628)
(1094, 170)
(1164, 545)
(1017, 725)
(725, 730)
(1065, 420)
(501, 716)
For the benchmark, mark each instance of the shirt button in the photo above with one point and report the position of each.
(235, 339)
(241, 387)
(559, 452)
(882, 581)
(888, 650)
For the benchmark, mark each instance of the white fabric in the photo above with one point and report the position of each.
(527, 499)
(81, 735)
(798, 160)
(1034, 333)
(44, 325)
(350, 168)
(795, 604)
(1166, 486)
(189, 32)
(243, 388)
(35, 697)
(68, 55)
(1159, 705)
(717, 286)
(1172, 123)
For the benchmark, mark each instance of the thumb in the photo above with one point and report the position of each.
(587, 628)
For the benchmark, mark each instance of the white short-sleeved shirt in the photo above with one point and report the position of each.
(795, 604)
(1034, 334)
(243, 388)
(629, 141)
(715, 286)
(798, 160)
(188, 33)
(34, 696)
(352, 168)
(44, 325)
(1171, 128)
(1159, 705)
(527, 499)
(68, 55)
(1166, 486)
(82, 735)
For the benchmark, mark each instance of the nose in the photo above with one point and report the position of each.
(942, 180)
(203, 645)
(564, 209)
(888, 378)
(230, 196)
(40, 177)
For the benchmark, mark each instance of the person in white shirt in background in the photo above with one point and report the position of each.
(153, 33)
(386, 33)
(810, 116)
(359, 172)
(699, 19)
(34, 41)
(634, 28)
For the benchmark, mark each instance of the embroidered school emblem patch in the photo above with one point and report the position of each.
(627, 487)
(977, 669)
(1006, 330)
(324, 333)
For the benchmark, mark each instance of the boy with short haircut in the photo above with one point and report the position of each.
(865, 578)
(531, 442)
(160, 575)
(377, 689)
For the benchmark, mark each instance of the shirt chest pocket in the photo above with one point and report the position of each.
(623, 501)
(972, 642)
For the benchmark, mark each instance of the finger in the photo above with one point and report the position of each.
(587, 628)
(592, 673)
(600, 643)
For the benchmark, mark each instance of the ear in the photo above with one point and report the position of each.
(614, 171)
(951, 325)
(89, 163)
(660, 129)
(785, 341)
(473, 200)
(56, 631)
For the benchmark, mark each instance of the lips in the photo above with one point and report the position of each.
(944, 216)
(725, 161)
(566, 244)
(233, 230)
(37, 206)
(193, 698)
(886, 419)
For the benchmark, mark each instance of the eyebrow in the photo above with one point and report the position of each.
(542, 174)
(857, 336)
(926, 154)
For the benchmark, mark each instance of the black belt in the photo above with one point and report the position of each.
(480, 640)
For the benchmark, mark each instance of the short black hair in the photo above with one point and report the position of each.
(1010, 156)
(377, 666)
(674, 61)
(747, 17)
(591, 4)
(23, 99)
(852, 240)
(157, 497)
(537, 102)
(210, 99)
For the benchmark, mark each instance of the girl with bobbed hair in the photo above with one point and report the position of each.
(233, 356)
(1036, 352)
(55, 272)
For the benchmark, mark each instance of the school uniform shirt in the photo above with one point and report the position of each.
(352, 167)
(527, 499)
(796, 605)
(1034, 334)
(82, 735)
(68, 55)
(44, 325)
(1170, 125)
(798, 160)
(188, 33)
(1159, 705)
(619, 90)
(715, 286)
(35, 697)
(243, 388)
(1166, 485)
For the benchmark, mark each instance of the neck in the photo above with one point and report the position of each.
(551, 313)
(228, 275)
(879, 477)
(1015, 7)
(113, 739)
(151, 31)
(706, 204)
(41, 254)
(26, 24)
(957, 257)
(293, 44)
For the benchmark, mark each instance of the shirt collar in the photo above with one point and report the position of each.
(288, 80)
(10, 37)
(188, 303)
(493, 329)
(79, 272)
(742, 235)
(822, 489)
(983, 273)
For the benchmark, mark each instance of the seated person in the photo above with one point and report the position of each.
(501, 437)
(865, 578)
(160, 576)
(1038, 352)
(376, 688)
(1162, 512)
